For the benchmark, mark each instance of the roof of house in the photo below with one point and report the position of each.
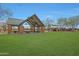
(14, 21)
(33, 20)
(36, 20)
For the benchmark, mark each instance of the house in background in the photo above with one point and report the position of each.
(35, 24)
(13, 24)
(18, 25)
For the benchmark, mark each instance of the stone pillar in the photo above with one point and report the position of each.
(32, 29)
(42, 29)
(9, 28)
(20, 29)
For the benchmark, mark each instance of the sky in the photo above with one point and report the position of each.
(43, 10)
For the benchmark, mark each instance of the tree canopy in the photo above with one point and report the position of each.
(5, 12)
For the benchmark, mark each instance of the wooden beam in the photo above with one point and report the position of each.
(30, 21)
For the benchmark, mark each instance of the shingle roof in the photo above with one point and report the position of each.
(33, 20)
(14, 21)
(36, 19)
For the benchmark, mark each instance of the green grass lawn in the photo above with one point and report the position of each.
(40, 44)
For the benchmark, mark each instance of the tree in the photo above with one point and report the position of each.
(5, 12)
(74, 21)
(48, 22)
(62, 22)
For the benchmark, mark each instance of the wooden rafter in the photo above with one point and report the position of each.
(29, 23)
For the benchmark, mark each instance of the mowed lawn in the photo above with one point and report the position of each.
(40, 44)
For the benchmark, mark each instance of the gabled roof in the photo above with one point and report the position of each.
(14, 21)
(33, 21)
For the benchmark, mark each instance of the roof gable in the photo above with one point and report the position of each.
(33, 21)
